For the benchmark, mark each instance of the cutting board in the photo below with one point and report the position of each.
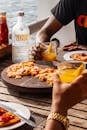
(27, 84)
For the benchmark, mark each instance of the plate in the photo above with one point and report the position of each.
(24, 111)
(67, 56)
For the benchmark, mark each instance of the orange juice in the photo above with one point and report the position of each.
(69, 74)
(49, 54)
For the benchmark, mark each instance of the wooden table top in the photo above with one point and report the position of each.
(39, 105)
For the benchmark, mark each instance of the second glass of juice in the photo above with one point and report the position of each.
(69, 71)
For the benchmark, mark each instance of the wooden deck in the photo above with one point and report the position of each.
(40, 105)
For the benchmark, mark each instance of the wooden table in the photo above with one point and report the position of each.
(39, 105)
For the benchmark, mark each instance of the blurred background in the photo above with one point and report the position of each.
(13, 6)
(36, 10)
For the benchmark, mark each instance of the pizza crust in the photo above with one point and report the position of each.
(8, 118)
(79, 57)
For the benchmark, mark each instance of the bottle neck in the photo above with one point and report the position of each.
(3, 19)
(20, 20)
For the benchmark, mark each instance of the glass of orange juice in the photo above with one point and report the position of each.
(69, 71)
(50, 54)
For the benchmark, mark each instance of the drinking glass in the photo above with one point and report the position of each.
(50, 54)
(69, 71)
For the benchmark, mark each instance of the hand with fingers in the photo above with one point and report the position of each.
(37, 51)
(64, 96)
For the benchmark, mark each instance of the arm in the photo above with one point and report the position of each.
(50, 28)
(65, 96)
(54, 125)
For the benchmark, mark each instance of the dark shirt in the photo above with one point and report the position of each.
(67, 10)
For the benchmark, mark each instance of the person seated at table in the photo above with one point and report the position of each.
(64, 96)
(62, 14)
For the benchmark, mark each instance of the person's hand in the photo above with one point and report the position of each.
(66, 95)
(38, 50)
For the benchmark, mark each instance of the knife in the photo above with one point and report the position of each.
(29, 122)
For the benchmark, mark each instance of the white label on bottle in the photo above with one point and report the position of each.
(20, 54)
(21, 37)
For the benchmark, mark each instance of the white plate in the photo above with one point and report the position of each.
(24, 111)
(67, 56)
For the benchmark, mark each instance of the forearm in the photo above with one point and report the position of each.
(42, 36)
(48, 30)
(62, 100)
(54, 125)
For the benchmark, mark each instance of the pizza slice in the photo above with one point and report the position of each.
(2, 111)
(79, 57)
(7, 118)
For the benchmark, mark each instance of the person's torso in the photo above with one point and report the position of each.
(81, 21)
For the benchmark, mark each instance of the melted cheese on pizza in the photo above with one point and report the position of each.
(7, 118)
(29, 68)
(79, 57)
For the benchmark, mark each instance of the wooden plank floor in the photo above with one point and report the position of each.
(40, 106)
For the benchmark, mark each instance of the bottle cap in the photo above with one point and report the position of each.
(3, 13)
(20, 13)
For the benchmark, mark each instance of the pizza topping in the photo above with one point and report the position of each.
(2, 111)
(79, 57)
(35, 70)
(6, 117)
(29, 68)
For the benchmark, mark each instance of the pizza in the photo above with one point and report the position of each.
(7, 118)
(79, 57)
(46, 75)
(29, 68)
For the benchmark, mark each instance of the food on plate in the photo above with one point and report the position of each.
(7, 118)
(74, 46)
(70, 47)
(29, 68)
(79, 57)
(20, 69)
(46, 75)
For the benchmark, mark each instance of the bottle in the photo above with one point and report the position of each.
(20, 40)
(3, 29)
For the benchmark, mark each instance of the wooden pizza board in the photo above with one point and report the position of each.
(26, 84)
